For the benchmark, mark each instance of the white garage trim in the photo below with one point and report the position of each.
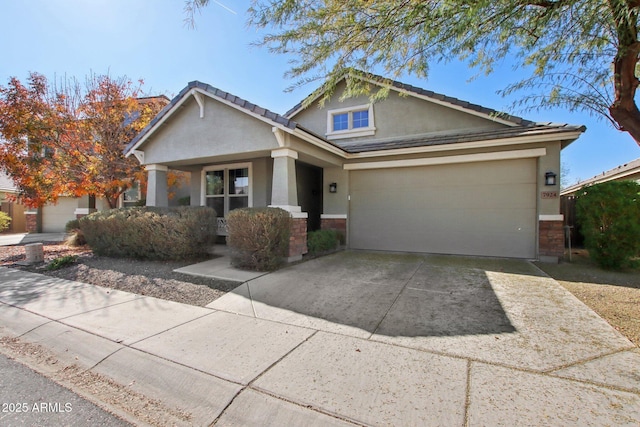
(551, 217)
(333, 216)
(445, 160)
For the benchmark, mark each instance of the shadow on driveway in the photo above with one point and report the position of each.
(362, 293)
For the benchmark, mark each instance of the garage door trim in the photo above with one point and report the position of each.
(466, 158)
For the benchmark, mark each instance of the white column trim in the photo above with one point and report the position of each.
(559, 217)
(284, 152)
(333, 216)
(156, 167)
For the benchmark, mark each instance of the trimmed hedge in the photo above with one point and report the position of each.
(151, 233)
(609, 214)
(258, 237)
(322, 241)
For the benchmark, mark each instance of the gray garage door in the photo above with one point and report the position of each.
(55, 217)
(483, 208)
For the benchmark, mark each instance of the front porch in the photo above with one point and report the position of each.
(281, 180)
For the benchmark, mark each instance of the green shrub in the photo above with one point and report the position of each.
(258, 237)
(61, 262)
(74, 224)
(151, 232)
(322, 241)
(5, 220)
(609, 215)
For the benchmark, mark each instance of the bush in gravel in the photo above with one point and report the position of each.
(322, 241)
(151, 233)
(61, 262)
(5, 220)
(609, 215)
(258, 237)
(76, 236)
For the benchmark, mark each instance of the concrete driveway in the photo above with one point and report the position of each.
(352, 338)
(468, 340)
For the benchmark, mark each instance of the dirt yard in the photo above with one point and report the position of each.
(614, 295)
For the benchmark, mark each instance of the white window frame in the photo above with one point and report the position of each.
(351, 132)
(225, 168)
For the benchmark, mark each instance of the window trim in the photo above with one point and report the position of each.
(226, 195)
(351, 132)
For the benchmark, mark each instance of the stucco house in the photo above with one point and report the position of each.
(626, 172)
(53, 217)
(10, 205)
(416, 172)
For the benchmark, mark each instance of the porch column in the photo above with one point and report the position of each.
(284, 190)
(196, 187)
(157, 185)
(284, 195)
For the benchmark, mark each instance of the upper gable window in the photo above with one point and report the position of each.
(350, 122)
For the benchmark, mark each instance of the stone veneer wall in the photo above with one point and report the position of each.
(337, 224)
(298, 239)
(551, 239)
(32, 222)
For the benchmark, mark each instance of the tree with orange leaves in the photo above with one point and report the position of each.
(67, 139)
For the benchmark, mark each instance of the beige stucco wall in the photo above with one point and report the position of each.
(549, 163)
(395, 116)
(335, 203)
(185, 138)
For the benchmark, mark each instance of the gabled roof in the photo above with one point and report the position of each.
(621, 172)
(519, 130)
(214, 92)
(424, 94)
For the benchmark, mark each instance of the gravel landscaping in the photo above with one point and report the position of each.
(151, 278)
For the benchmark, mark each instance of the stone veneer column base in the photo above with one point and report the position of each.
(337, 224)
(32, 222)
(551, 240)
(297, 239)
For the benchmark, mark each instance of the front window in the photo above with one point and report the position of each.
(227, 188)
(350, 122)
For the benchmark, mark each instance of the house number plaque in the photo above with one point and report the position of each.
(549, 194)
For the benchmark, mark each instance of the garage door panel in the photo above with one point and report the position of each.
(55, 217)
(486, 208)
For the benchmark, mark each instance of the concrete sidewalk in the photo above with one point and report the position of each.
(25, 238)
(246, 369)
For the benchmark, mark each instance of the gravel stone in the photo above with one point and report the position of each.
(151, 278)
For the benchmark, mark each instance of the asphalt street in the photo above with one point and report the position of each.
(29, 399)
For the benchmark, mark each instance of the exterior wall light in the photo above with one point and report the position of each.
(333, 187)
(549, 178)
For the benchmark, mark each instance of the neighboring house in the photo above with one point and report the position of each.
(627, 172)
(10, 205)
(416, 172)
(53, 217)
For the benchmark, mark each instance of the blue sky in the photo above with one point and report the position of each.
(148, 39)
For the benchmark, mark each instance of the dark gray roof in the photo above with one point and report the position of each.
(455, 138)
(250, 107)
(631, 168)
(522, 127)
(434, 95)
